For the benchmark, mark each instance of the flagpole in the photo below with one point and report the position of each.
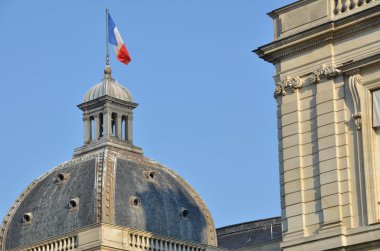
(107, 49)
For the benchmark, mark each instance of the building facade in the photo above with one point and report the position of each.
(326, 55)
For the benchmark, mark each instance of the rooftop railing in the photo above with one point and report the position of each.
(141, 242)
(63, 244)
(342, 6)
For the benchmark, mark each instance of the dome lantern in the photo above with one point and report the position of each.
(107, 116)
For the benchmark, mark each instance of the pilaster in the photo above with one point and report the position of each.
(329, 111)
(129, 126)
(291, 163)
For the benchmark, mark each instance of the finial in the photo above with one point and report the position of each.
(107, 72)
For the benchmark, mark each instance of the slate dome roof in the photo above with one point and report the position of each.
(138, 193)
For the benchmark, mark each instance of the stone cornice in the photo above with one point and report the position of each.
(287, 7)
(320, 35)
(103, 100)
(106, 142)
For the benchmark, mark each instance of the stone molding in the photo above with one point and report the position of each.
(328, 32)
(324, 71)
(290, 83)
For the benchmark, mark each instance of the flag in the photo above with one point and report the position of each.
(115, 39)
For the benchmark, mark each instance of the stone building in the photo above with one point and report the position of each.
(327, 88)
(326, 55)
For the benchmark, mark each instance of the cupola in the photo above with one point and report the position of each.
(107, 116)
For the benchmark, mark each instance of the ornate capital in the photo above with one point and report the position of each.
(291, 83)
(324, 71)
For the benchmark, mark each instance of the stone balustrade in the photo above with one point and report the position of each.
(63, 244)
(342, 6)
(138, 241)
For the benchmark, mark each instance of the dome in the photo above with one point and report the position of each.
(108, 87)
(113, 187)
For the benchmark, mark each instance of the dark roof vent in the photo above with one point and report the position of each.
(74, 204)
(136, 202)
(150, 175)
(62, 177)
(185, 213)
(27, 218)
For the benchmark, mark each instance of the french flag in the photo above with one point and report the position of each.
(115, 39)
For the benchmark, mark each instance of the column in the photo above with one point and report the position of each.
(129, 128)
(118, 126)
(107, 124)
(96, 126)
(86, 129)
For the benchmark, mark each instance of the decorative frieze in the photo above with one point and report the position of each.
(289, 83)
(324, 71)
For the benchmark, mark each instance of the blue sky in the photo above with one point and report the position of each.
(206, 101)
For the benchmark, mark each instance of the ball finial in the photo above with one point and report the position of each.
(108, 71)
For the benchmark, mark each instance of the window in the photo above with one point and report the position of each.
(376, 108)
(376, 122)
(92, 128)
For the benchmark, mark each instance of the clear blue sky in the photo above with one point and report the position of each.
(206, 101)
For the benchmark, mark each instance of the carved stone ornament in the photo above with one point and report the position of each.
(358, 120)
(288, 83)
(324, 71)
(355, 84)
